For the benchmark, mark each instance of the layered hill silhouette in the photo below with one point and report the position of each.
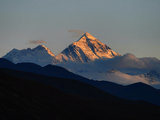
(26, 95)
(138, 91)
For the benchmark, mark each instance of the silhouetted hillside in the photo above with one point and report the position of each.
(25, 98)
(138, 91)
(49, 70)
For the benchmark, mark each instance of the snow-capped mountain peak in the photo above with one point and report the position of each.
(87, 48)
(87, 36)
(40, 55)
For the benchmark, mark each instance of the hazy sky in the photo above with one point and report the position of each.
(127, 26)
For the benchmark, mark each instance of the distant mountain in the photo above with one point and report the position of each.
(87, 48)
(40, 55)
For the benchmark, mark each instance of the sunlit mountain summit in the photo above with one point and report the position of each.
(87, 48)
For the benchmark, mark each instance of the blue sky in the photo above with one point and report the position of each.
(127, 26)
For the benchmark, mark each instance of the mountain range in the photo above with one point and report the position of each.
(40, 55)
(86, 49)
(90, 58)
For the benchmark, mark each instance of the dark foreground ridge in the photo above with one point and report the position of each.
(25, 96)
(31, 92)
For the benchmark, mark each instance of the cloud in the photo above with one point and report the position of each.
(125, 62)
(129, 65)
(76, 33)
(37, 41)
(123, 78)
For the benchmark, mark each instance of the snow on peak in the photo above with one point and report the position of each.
(87, 36)
(40, 55)
(87, 48)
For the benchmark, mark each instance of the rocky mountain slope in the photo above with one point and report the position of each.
(87, 48)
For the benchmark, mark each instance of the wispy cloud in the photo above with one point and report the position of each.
(37, 41)
(76, 33)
